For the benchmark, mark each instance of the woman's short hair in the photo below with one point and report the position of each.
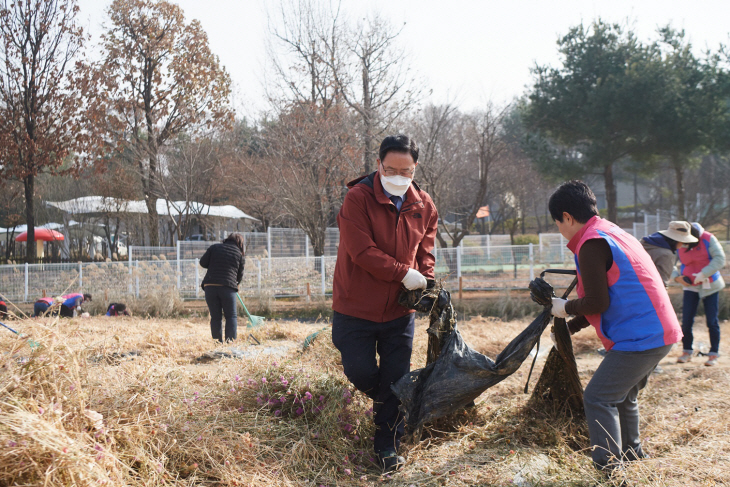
(237, 239)
(574, 198)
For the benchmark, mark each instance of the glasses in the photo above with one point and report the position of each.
(406, 173)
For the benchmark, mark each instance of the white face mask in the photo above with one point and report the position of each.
(395, 185)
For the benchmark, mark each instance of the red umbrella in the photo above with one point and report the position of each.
(44, 234)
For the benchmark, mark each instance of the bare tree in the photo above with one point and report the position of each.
(242, 155)
(310, 145)
(162, 80)
(460, 151)
(375, 79)
(299, 47)
(310, 151)
(192, 173)
(445, 157)
(44, 94)
(11, 211)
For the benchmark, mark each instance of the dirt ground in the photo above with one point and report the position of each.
(684, 407)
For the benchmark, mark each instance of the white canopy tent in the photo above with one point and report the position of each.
(24, 228)
(101, 204)
(96, 206)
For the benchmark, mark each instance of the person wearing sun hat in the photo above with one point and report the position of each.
(662, 246)
(699, 273)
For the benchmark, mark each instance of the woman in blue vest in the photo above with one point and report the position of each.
(699, 273)
(41, 306)
(71, 304)
(620, 293)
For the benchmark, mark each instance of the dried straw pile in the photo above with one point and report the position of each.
(125, 402)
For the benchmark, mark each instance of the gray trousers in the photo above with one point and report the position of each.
(611, 405)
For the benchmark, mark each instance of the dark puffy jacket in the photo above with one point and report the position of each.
(224, 262)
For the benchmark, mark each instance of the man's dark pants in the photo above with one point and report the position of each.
(221, 300)
(358, 341)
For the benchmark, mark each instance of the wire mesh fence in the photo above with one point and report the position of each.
(470, 268)
(652, 223)
(152, 253)
(294, 242)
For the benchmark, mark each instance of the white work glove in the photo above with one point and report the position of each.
(700, 277)
(78, 308)
(414, 280)
(85, 315)
(559, 308)
(552, 332)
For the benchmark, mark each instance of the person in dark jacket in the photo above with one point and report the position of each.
(3, 309)
(387, 232)
(662, 247)
(224, 262)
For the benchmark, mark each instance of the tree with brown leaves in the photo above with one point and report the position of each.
(44, 95)
(162, 80)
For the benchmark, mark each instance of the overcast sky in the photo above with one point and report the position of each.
(467, 51)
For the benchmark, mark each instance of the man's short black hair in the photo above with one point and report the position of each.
(87, 297)
(574, 198)
(398, 143)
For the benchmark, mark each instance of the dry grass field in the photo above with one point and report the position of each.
(130, 402)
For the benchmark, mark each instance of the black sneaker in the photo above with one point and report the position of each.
(632, 455)
(614, 473)
(390, 461)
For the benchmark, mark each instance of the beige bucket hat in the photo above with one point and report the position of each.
(679, 231)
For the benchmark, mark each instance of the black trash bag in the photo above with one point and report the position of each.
(436, 302)
(459, 374)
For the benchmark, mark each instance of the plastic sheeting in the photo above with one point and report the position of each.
(459, 374)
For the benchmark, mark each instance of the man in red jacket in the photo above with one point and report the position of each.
(387, 231)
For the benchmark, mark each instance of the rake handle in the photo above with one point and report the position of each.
(246, 310)
(6, 326)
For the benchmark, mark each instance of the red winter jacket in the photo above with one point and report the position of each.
(378, 245)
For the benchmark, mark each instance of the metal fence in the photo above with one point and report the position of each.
(293, 242)
(471, 267)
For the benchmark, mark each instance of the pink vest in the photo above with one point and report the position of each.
(640, 315)
(696, 259)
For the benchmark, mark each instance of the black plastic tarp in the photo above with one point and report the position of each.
(459, 374)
